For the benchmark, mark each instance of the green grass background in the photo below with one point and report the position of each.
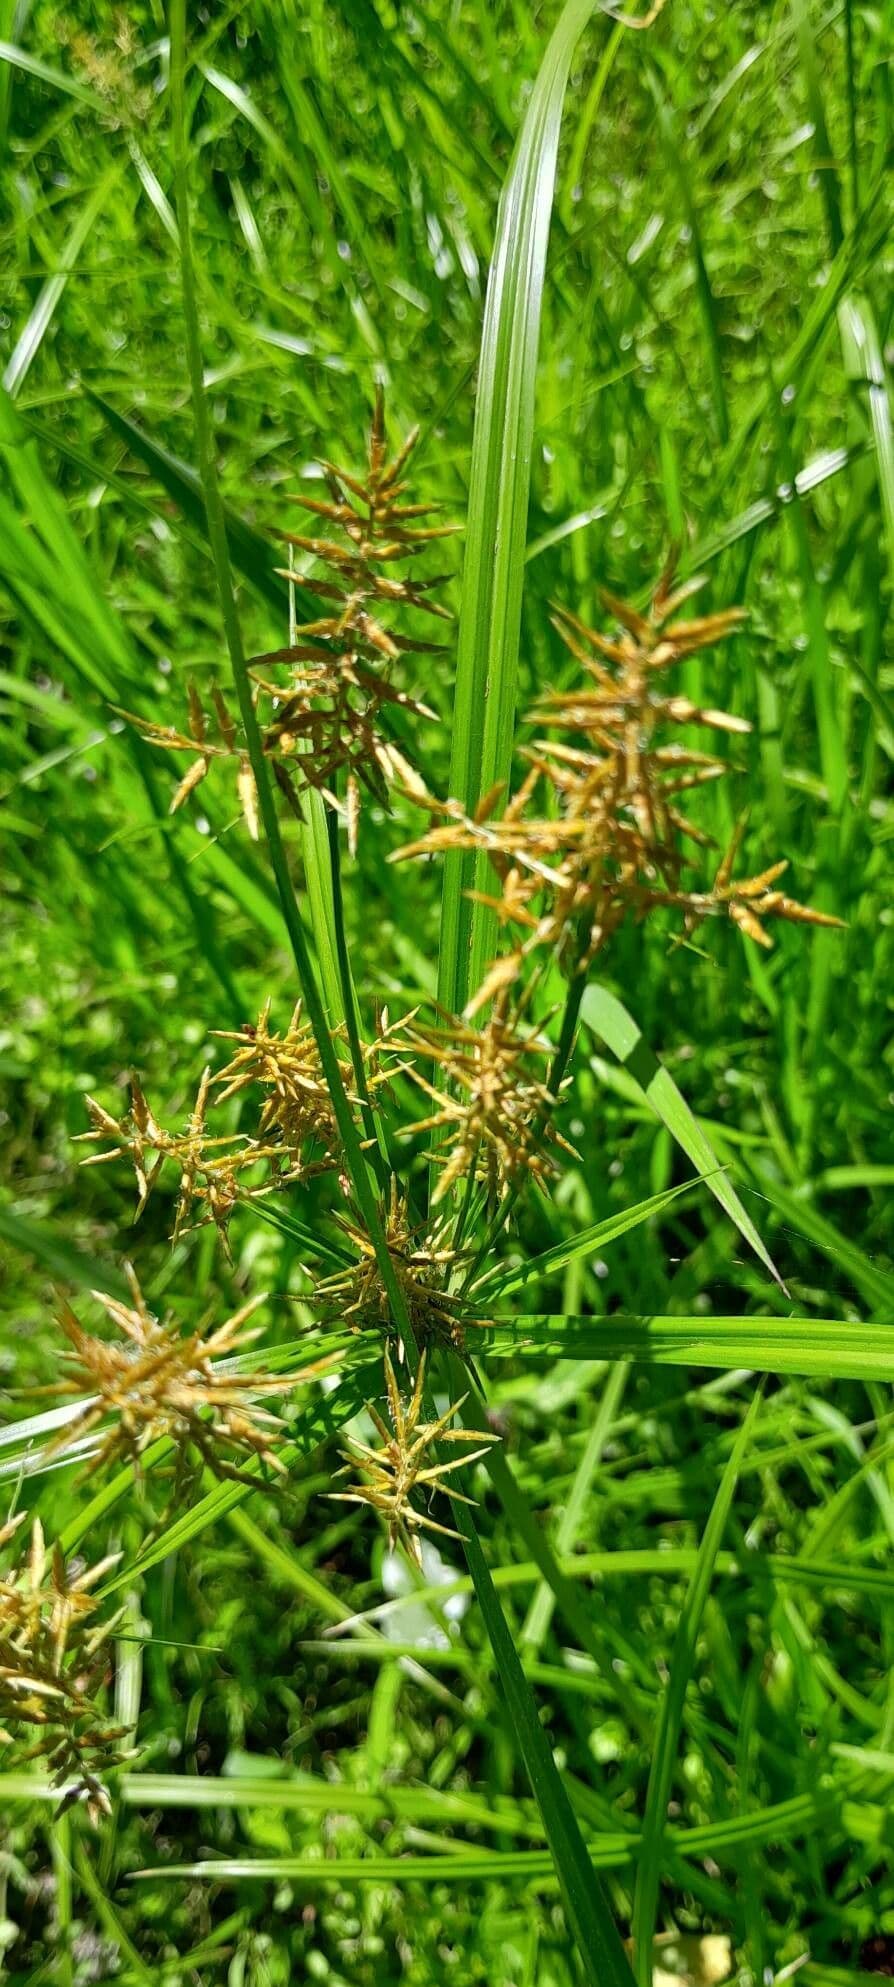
(713, 371)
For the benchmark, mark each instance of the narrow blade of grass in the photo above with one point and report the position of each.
(670, 1715)
(816, 1348)
(493, 572)
(610, 1020)
(500, 1282)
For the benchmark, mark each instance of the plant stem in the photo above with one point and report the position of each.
(217, 534)
(375, 1135)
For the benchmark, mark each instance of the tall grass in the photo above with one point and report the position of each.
(631, 284)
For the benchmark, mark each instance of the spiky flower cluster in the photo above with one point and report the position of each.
(53, 1664)
(327, 718)
(297, 1109)
(156, 1382)
(198, 739)
(423, 1258)
(296, 1134)
(212, 1166)
(610, 843)
(401, 1467)
(492, 1105)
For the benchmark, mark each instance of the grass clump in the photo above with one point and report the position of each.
(470, 1494)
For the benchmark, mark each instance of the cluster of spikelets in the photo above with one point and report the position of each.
(152, 1383)
(425, 1260)
(404, 1462)
(327, 715)
(156, 1382)
(54, 1661)
(492, 1111)
(595, 834)
(295, 1137)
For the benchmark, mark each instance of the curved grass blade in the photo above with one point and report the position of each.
(40, 316)
(610, 1020)
(500, 1282)
(251, 553)
(875, 1285)
(19, 58)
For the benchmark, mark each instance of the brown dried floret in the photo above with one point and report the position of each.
(212, 1166)
(401, 1466)
(332, 707)
(335, 714)
(380, 531)
(53, 1664)
(156, 1382)
(748, 900)
(491, 1103)
(610, 844)
(424, 1260)
(206, 749)
(297, 1109)
(327, 721)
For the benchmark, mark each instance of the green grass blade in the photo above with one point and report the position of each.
(252, 554)
(500, 1282)
(57, 1254)
(601, 1952)
(40, 316)
(670, 1715)
(20, 58)
(493, 572)
(815, 1348)
(675, 151)
(865, 364)
(610, 1020)
(875, 1285)
(571, 1523)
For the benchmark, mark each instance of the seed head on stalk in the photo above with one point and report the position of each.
(212, 1166)
(156, 1382)
(493, 1106)
(401, 1466)
(337, 710)
(611, 842)
(424, 1260)
(53, 1663)
(207, 749)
